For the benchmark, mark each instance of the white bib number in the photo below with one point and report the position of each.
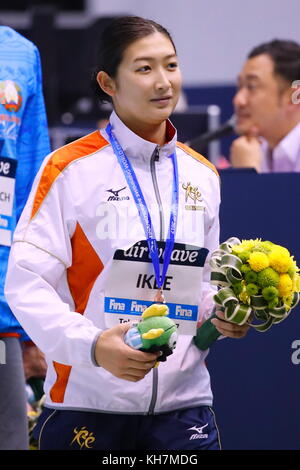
(131, 285)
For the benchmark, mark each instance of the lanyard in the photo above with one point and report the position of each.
(144, 212)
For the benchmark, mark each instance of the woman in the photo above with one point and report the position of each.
(82, 263)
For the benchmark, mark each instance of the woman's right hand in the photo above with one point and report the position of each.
(121, 360)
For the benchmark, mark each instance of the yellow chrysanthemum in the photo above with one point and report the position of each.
(294, 264)
(280, 260)
(267, 244)
(258, 261)
(244, 297)
(296, 283)
(293, 269)
(285, 285)
(249, 244)
(287, 301)
(280, 248)
(237, 249)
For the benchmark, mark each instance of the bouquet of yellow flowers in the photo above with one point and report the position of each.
(259, 285)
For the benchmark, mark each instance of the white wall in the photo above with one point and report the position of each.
(212, 37)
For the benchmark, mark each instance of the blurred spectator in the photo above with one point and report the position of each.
(267, 106)
(23, 144)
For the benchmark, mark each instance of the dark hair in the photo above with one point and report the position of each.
(114, 40)
(285, 55)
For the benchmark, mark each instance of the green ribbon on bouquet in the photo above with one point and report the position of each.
(225, 272)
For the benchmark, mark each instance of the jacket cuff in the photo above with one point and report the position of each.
(93, 349)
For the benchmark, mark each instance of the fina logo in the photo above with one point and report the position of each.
(116, 196)
(199, 434)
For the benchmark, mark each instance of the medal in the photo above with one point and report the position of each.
(159, 297)
(145, 215)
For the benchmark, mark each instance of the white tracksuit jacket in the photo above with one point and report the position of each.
(75, 262)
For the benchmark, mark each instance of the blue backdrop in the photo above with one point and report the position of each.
(255, 380)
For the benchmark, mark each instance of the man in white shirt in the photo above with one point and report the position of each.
(267, 107)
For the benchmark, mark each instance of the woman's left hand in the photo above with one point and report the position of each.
(227, 328)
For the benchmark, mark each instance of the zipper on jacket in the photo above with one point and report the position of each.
(154, 158)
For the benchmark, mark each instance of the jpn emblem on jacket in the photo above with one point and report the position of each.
(192, 195)
(10, 95)
(83, 438)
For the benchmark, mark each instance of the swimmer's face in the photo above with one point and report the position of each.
(148, 82)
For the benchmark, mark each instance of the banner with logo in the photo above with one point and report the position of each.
(8, 168)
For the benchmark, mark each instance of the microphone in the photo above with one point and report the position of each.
(199, 143)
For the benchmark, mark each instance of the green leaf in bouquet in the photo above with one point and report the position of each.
(232, 262)
(218, 278)
(263, 326)
(224, 296)
(258, 302)
(261, 315)
(233, 276)
(278, 312)
(239, 315)
(296, 298)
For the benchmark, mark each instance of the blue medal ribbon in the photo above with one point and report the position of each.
(144, 212)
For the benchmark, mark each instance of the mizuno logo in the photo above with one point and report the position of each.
(116, 196)
(199, 431)
(116, 193)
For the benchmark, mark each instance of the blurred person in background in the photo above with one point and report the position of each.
(24, 142)
(267, 107)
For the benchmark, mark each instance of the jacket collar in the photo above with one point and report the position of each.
(136, 147)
